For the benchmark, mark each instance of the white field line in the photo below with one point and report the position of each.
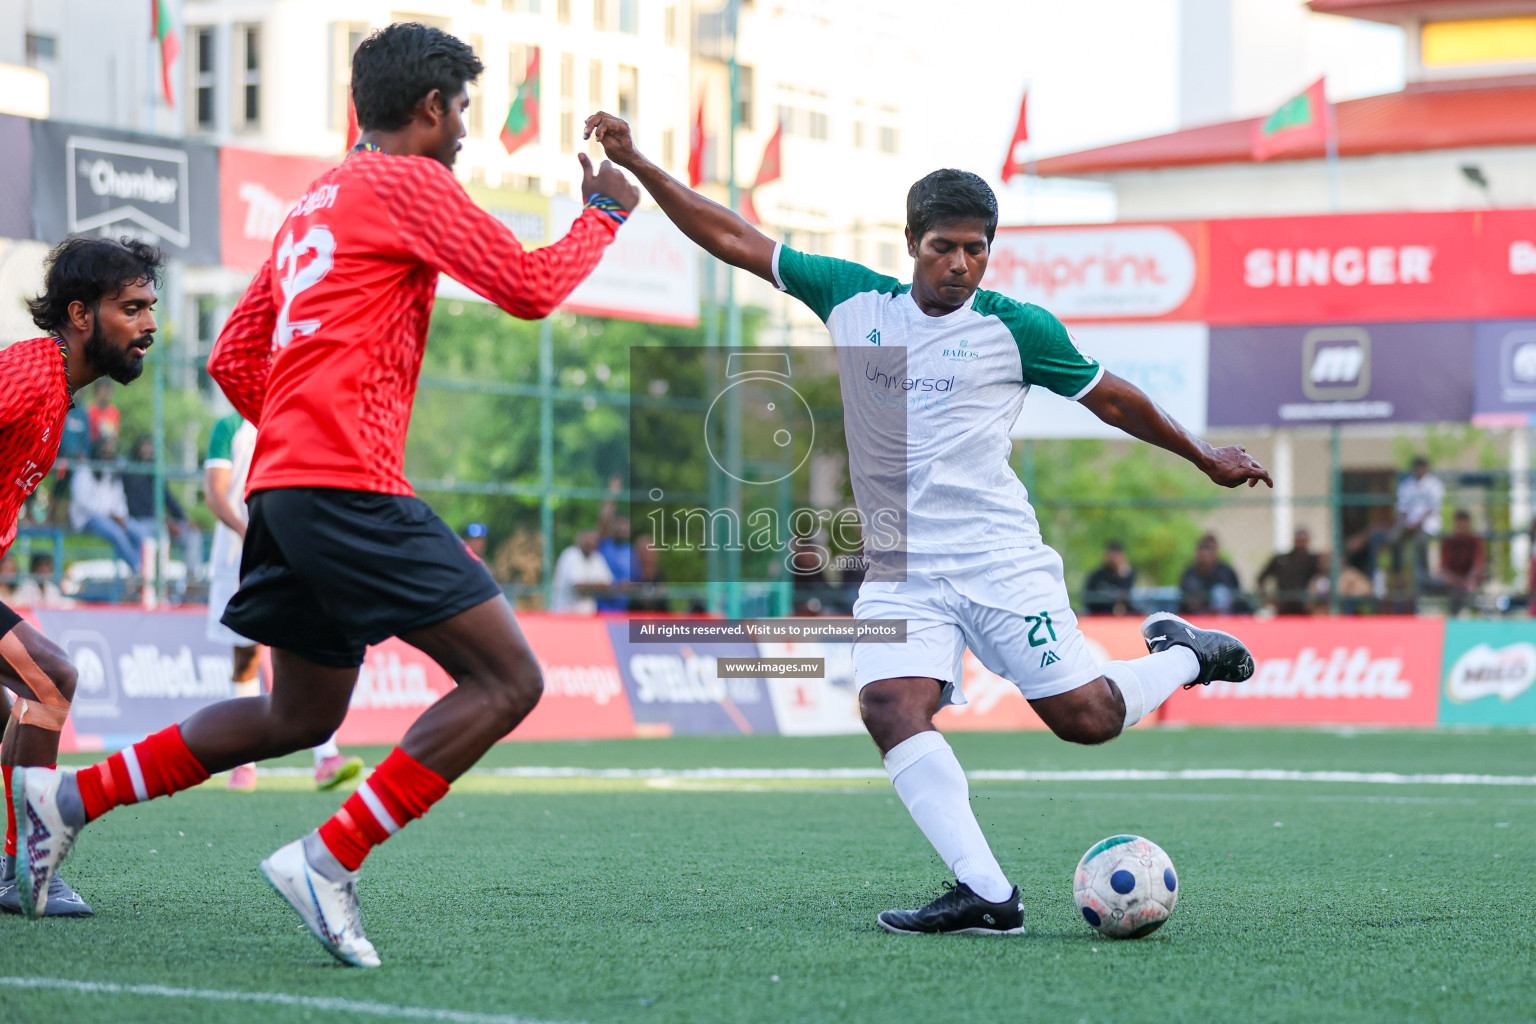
(324, 1003)
(1009, 775)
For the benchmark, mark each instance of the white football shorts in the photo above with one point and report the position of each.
(221, 587)
(1009, 607)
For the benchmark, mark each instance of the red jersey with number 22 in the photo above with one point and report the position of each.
(323, 351)
(34, 397)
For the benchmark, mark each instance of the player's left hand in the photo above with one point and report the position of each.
(608, 180)
(1232, 465)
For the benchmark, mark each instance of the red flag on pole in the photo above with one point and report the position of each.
(170, 45)
(1301, 121)
(696, 149)
(522, 125)
(1013, 163)
(770, 169)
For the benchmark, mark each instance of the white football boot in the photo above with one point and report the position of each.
(329, 908)
(46, 827)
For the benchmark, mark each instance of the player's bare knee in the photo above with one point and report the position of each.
(517, 690)
(1090, 728)
(887, 714)
(61, 671)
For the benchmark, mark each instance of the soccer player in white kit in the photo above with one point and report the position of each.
(230, 447)
(977, 573)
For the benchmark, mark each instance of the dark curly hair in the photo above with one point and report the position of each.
(950, 195)
(395, 67)
(88, 270)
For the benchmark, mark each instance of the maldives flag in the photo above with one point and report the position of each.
(1302, 121)
(696, 149)
(769, 170)
(170, 44)
(522, 125)
(1012, 164)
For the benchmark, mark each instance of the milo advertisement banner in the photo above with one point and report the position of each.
(1490, 673)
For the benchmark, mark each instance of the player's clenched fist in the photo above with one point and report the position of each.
(613, 134)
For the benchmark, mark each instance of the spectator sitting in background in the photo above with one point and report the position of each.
(98, 505)
(38, 589)
(10, 577)
(614, 546)
(1419, 498)
(807, 563)
(1463, 559)
(74, 443)
(580, 574)
(1209, 585)
(139, 490)
(106, 419)
(1295, 574)
(475, 539)
(648, 588)
(1107, 591)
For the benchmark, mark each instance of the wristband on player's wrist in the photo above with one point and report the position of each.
(609, 205)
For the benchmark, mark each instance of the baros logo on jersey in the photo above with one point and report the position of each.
(962, 353)
(1095, 273)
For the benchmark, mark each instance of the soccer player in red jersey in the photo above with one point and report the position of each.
(98, 309)
(322, 353)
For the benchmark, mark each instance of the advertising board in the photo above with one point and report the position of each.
(676, 688)
(1490, 673)
(256, 191)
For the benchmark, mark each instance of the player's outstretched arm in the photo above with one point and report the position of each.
(718, 231)
(1122, 404)
(242, 357)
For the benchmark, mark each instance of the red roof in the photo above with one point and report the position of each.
(1438, 115)
(1399, 11)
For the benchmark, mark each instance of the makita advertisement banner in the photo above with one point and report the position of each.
(1340, 373)
(99, 181)
(1375, 670)
(256, 191)
(1490, 673)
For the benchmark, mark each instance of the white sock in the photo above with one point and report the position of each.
(1146, 682)
(933, 786)
(325, 750)
(248, 688)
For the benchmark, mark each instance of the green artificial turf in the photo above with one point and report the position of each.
(597, 900)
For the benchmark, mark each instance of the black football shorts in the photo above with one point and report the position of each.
(325, 572)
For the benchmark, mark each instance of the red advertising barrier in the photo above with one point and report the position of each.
(583, 693)
(1400, 267)
(256, 191)
(1322, 671)
(995, 705)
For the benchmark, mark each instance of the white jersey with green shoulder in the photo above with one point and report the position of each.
(967, 373)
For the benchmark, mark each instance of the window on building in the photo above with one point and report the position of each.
(563, 11)
(887, 139)
(595, 84)
(346, 37)
(600, 15)
(250, 76)
(669, 26)
(40, 48)
(567, 103)
(629, 93)
(205, 79)
(629, 17)
(745, 90)
(886, 255)
(858, 135)
(817, 126)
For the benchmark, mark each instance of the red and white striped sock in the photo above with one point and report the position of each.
(399, 790)
(157, 765)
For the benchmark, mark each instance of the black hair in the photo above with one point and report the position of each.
(88, 270)
(395, 68)
(950, 195)
(1114, 545)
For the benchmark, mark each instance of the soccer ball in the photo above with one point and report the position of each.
(1125, 887)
